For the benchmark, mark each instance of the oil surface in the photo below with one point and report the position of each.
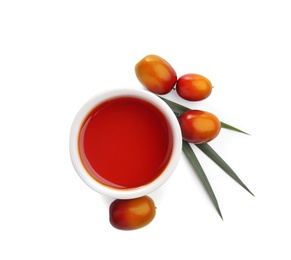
(125, 142)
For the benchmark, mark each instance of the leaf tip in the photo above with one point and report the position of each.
(221, 216)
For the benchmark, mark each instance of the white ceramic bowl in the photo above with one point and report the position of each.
(132, 192)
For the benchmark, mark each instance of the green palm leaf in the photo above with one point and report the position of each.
(200, 172)
(206, 148)
(177, 108)
(229, 127)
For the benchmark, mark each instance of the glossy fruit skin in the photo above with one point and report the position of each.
(156, 74)
(199, 126)
(132, 214)
(193, 87)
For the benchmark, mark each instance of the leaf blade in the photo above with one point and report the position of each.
(232, 128)
(177, 108)
(209, 151)
(201, 174)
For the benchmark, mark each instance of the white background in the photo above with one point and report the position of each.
(55, 55)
